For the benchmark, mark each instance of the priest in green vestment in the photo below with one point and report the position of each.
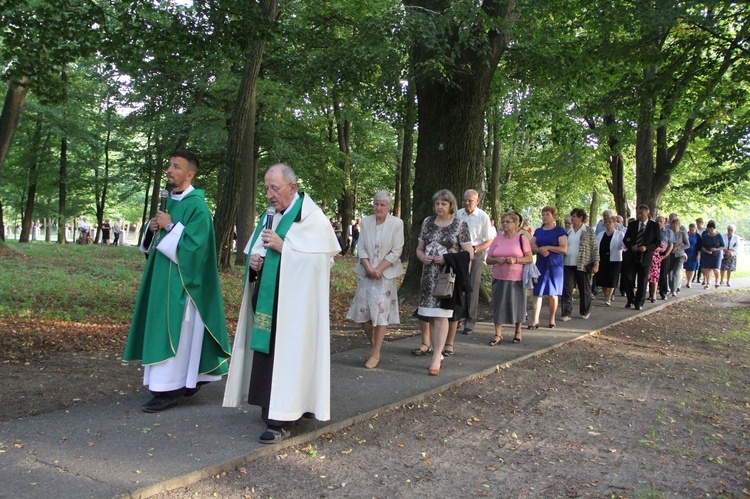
(179, 330)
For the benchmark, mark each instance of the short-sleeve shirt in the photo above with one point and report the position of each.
(503, 247)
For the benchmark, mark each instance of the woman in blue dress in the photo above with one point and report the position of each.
(712, 247)
(549, 244)
(692, 254)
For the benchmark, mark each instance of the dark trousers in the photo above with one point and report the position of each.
(666, 269)
(635, 276)
(572, 277)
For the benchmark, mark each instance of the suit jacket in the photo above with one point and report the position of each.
(390, 248)
(651, 240)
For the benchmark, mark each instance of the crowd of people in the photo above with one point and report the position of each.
(643, 258)
(280, 359)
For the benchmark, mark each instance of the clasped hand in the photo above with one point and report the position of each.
(438, 259)
(160, 221)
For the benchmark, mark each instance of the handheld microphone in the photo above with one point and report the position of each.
(270, 212)
(163, 195)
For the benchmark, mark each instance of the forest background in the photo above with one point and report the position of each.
(581, 103)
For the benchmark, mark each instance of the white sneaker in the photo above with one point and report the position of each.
(607, 303)
(586, 316)
(565, 318)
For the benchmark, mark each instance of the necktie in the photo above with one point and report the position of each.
(639, 237)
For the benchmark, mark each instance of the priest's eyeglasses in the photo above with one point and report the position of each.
(274, 189)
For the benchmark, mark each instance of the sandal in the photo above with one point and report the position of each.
(517, 339)
(496, 341)
(372, 362)
(533, 326)
(421, 353)
(446, 352)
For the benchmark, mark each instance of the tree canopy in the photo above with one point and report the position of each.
(574, 103)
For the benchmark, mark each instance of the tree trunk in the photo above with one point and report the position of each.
(594, 208)
(236, 204)
(28, 212)
(407, 159)
(492, 206)
(63, 174)
(12, 108)
(2, 222)
(616, 163)
(451, 115)
(346, 201)
(101, 202)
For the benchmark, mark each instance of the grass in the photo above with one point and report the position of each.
(99, 284)
(88, 284)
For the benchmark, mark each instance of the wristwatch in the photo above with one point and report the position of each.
(169, 227)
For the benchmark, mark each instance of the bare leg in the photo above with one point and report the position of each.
(498, 335)
(716, 277)
(374, 357)
(729, 275)
(438, 335)
(552, 301)
(370, 333)
(722, 277)
(706, 277)
(448, 348)
(537, 301)
(517, 337)
(424, 348)
(689, 275)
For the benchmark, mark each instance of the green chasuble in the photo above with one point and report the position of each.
(165, 287)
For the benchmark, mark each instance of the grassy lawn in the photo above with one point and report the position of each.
(98, 284)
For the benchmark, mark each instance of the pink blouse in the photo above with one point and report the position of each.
(502, 247)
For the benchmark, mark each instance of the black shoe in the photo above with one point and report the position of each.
(467, 330)
(639, 307)
(158, 404)
(628, 305)
(271, 436)
(189, 392)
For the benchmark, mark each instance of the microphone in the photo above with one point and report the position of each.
(270, 212)
(163, 195)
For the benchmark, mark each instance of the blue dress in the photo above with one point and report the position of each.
(550, 267)
(691, 254)
(711, 260)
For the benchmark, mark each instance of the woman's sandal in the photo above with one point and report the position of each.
(446, 352)
(533, 326)
(498, 339)
(517, 339)
(372, 362)
(435, 372)
(421, 353)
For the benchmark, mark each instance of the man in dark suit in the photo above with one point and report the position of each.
(641, 239)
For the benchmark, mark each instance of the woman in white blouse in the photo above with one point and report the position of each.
(729, 263)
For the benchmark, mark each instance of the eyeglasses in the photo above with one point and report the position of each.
(274, 189)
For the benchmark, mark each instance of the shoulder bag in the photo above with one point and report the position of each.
(445, 283)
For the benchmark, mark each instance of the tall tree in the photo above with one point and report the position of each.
(455, 50)
(237, 200)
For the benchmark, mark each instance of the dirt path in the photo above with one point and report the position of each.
(656, 407)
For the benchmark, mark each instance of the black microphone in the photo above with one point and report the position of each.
(164, 194)
(270, 212)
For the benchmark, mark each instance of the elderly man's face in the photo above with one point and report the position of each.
(470, 203)
(642, 215)
(278, 192)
